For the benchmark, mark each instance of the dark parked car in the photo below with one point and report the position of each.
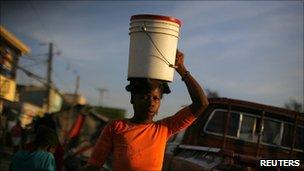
(235, 135)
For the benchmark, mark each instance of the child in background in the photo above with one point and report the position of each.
(49, 122)
(16, 133)
(41, 157)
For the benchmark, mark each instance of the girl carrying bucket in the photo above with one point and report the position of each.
(138, 143)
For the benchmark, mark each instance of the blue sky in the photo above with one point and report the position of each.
(249, 50)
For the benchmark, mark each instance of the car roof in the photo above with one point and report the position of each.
(258, 106)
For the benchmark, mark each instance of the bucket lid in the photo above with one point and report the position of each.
(156, 17)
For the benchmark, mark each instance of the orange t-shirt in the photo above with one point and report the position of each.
(138, 146)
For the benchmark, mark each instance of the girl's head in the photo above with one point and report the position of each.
(142, 85)
(46, 138)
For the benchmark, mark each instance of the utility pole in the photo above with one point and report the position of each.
(49, 76)
(77, 85)
(101, 94)
(76, 90)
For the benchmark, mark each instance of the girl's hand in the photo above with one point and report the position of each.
(179, 62)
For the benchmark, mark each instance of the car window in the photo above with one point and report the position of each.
(248, 127)
(299, 144)
(234, 124)
(245, 126)
(287, 135)
(271, 133)
(177, 138)
(217, 123)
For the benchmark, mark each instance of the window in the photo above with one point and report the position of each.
(247, 128)
(287, 135)
(299, 138)
(174, 141)
(271, 133)
(217, 123)
(7, 62)
(177, 138)
(234, 124)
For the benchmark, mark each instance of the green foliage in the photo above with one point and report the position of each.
(212, 93)
(294, 105)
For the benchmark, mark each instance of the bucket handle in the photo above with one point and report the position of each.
(144, 29)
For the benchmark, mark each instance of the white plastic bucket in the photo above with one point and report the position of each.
(153, 44)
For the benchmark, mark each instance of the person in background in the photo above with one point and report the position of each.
(139, 143)
(16, 133)
(40, 157)
(48, 121)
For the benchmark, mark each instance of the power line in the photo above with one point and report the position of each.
(37, 78)
(32, 75)
(44, 28)
(65, 84)
(34, 56)
(69, 65)
(67, 61)
(50, 36)
(47, 32)
(34, 64)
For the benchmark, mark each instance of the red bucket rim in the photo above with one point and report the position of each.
(158, 17)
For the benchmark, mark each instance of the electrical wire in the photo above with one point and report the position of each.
(50, 39)
(44, 28)
(35, 64)
(63, 83)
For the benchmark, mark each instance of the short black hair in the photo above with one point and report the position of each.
(140, 85)
(46, 136)
(46, 120)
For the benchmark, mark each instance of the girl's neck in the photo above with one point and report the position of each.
(140, 120)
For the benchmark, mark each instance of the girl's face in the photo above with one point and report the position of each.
(146, 104)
